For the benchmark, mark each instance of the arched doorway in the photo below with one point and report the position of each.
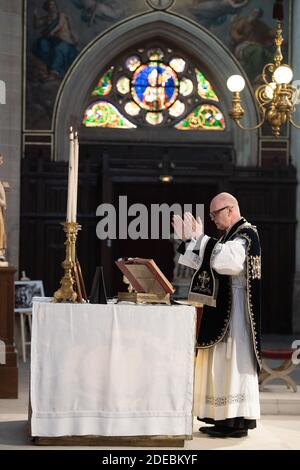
(163, 27)
(136, 38)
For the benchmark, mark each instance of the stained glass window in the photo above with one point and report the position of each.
(186, 87)
(177, 64)
(154, 118)
(104, 85)
(123, 85)
(177, 109)
(132, 108)
(205, 117)
(154, 87)
(132, 63)
(205, 89)
(104, 114)
(155, 54)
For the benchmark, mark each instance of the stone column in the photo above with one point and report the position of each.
(10, 116)
(295, 154)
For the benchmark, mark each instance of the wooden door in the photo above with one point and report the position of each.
(161, 250)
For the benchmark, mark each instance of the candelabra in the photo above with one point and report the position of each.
(72, 286)
(276, 97)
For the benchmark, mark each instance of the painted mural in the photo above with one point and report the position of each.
(246, 27)
(57, 30)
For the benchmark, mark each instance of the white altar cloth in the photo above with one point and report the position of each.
(112, 370)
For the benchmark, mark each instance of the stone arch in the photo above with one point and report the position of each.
(188, 36)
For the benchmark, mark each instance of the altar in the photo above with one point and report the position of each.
(115, 372)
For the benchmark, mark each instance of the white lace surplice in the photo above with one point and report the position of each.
(226, 383)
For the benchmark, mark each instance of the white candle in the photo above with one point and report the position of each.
(70, 178)
(76, 161)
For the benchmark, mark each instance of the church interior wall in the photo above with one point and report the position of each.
(11, 116)
(49, 108)
(106, 171)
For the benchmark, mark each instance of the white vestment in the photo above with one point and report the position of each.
(226, 382)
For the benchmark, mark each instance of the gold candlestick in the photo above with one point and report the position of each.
(66, 292)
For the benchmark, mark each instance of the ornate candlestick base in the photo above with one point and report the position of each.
(67, 293)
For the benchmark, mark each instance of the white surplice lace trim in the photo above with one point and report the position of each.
(225, 400)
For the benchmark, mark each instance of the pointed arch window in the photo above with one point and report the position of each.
(154, 87)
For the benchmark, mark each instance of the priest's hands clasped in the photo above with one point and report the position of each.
(187, 227)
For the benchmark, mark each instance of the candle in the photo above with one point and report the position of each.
(70, 178)
(76, 160)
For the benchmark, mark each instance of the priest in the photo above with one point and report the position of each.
(227, 282)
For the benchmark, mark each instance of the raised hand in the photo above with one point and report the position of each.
(188, 227)
(195, 225)
(178, 226)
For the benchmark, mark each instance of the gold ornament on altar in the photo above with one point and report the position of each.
(129, 288)
(72, 286)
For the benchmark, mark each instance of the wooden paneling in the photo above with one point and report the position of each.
(9, 370)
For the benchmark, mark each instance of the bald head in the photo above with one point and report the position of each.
(225, 198)
(224, 210)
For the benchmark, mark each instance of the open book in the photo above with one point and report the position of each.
(150, 285)
(145, 276)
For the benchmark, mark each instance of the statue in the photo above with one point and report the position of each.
(4, 186)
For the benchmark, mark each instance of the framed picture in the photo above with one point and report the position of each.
(24, 293)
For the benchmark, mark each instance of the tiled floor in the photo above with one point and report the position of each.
(275, 430)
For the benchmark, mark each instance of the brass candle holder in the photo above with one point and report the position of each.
(72, 287)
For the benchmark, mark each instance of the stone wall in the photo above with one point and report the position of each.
(11, 12)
